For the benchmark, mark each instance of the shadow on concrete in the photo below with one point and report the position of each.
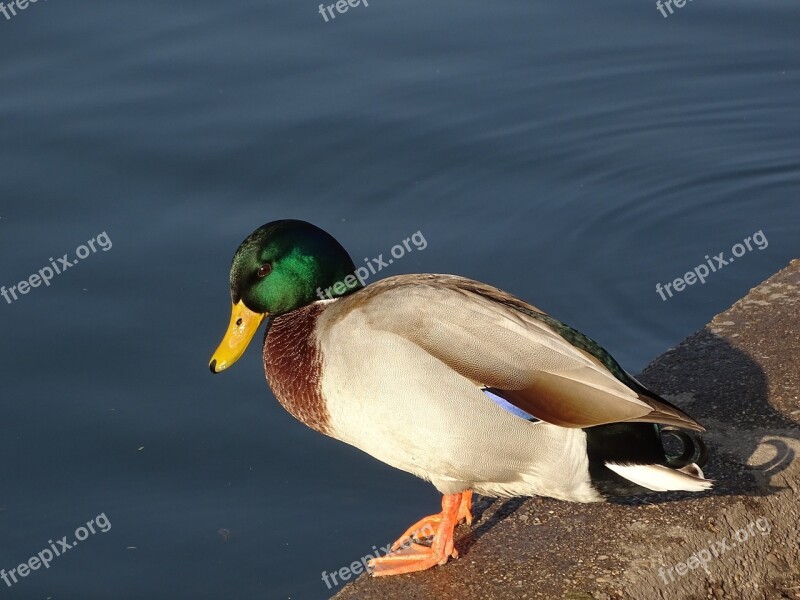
(732, 400)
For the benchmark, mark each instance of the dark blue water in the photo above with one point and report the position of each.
(576, 154)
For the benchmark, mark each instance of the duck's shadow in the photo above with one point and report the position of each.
(750, 441)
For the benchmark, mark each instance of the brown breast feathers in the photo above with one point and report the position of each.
(293, 366)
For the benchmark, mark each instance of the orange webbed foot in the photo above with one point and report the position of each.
(426, 527)
(408, 560)
(407, 556)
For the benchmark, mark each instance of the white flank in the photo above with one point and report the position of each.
(660, 478)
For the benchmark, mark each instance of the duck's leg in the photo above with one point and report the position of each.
(426, 526)
(465, 509)
(416, 557)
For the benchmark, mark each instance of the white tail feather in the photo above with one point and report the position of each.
(662, 479)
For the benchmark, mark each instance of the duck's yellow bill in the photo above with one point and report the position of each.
(243, 326)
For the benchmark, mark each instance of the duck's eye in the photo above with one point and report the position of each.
(264, 270)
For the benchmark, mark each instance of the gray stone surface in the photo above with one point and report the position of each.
(740, 376)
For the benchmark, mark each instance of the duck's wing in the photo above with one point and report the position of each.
(513, 349)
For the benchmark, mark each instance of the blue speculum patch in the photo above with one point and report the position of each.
(507, 406)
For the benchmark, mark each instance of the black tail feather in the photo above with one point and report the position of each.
(637, 444)
(694, 449)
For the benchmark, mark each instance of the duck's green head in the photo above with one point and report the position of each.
(281, 266)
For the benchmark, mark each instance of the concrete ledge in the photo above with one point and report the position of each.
(740, 376)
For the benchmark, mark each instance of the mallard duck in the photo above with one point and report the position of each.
(452, 380)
